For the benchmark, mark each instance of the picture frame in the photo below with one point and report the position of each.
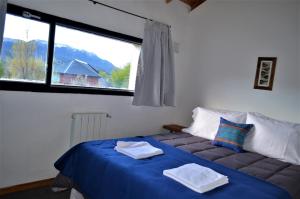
(265, 73)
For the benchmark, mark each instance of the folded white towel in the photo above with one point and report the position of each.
(198, 178)
(137, 150)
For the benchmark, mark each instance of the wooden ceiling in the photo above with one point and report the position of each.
(192, 3)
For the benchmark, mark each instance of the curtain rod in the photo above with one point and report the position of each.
(124, 11)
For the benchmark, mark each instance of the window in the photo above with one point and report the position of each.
(24, 50)
(44, 53)
(95, 61)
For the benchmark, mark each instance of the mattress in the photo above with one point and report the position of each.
(284, 175)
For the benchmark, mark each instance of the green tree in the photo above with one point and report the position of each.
(120, 77)
(1, 69)
(105, 76)
(24, 64)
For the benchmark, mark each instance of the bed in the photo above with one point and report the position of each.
(95, 170)
(284, 176)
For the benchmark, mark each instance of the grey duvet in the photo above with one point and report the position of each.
(282, 174)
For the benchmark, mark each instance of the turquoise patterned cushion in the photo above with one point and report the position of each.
(231, 135)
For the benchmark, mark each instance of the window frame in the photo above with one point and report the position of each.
(47, 87)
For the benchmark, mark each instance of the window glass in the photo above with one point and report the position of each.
(84, 59)
(24, 50)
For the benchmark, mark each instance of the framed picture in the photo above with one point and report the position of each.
(265, 72)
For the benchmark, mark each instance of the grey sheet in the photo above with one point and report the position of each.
(284, 175)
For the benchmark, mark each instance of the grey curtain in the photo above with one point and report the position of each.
(3, 6)
(155, 83)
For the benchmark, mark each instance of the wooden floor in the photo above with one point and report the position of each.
(41, 193)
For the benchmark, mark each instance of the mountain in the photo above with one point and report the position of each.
(63, 56)
(6, 48)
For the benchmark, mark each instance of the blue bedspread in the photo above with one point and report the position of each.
(103, 173)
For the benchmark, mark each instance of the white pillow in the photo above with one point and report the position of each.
(206, 121)
(273, 138)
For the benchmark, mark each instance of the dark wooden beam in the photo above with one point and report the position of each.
(196, 4)
(192, 3)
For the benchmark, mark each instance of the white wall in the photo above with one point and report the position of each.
(228, 36)
(36, 126)
(298, 54)
(1, 141)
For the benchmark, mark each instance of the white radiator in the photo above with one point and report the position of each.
(88, 126)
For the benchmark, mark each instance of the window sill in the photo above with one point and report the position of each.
(43, 88)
